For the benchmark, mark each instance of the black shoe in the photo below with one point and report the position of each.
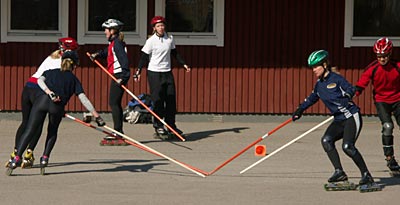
(366, 178)
(338, 176)
(392, 164)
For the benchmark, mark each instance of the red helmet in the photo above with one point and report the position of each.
(383, 46)
(157, 19)
(67, 43)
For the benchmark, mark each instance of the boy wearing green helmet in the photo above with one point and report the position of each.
(336, 93)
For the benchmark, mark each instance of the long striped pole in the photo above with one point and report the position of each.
(286, 145)
(251, 145)
(139, 145)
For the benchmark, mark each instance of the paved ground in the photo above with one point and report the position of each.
(82, 172)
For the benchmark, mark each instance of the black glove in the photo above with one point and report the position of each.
(100, 122)
(136, 75)
(87, 119)
(297, 114)
(93, 56)
(54, 97)
(359, 90)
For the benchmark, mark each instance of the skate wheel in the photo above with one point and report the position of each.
(9, 171)
(42, 171)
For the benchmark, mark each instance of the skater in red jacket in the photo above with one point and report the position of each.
(384, 75)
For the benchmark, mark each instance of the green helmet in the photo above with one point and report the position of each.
(317, 58)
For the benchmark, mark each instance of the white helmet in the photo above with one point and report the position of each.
(112, 24)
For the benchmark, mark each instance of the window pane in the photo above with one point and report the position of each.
(376, 18)
(190, 15)
(123, 10)
(34, 15)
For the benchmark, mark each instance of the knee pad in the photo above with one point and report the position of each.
(349, 149)
(387, 128)
(328, 143)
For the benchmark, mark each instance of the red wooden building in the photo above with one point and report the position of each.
(257, 65)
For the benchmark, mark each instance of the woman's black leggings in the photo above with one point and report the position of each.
(40, 108)
(163, 95)
(348, 130)
(116, 93)
(29, 95)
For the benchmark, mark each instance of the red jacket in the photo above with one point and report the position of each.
(385, 80)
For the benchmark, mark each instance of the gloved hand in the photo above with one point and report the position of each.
(297, 114)
(136, 76)
(93, 56)
(359, 90)
(54, 97)
(100, 122)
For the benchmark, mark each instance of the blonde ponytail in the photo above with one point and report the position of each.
(67, 65)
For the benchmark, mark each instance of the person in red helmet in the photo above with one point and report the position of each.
(384, 75)
(157, 52)
(57, 86)
(30, 93)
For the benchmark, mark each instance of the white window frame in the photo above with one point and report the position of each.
(97, 37)
(216, 38)
(8, 35)
(357, 41)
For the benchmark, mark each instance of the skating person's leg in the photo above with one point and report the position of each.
(332, 134)
(37, 116)
(170, 103)
(55, 116)
(116, 93)
(352, 129)
(26, 106)
(157, 93)
(384, 113)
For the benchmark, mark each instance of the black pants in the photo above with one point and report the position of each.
(163, 95)
(385, 111)
(40, 108)
(116, 93)
(348, 130)
(29, 95)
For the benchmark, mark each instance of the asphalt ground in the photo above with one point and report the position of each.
(82, 172)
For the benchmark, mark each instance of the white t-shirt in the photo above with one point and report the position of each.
(48, 64)
(159, 50)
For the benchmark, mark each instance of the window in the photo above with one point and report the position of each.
(133, 13)
(33, 21)
(194, 22)
(368, 20)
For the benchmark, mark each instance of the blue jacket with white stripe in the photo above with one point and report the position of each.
(336, 93)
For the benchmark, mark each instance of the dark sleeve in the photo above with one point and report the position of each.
(78, 86)
(310, 100)
(102, 53)
(177, 56)
(144, 58)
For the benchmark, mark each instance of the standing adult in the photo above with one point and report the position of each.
(118, 65)
(384, 75)
(157, 52)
